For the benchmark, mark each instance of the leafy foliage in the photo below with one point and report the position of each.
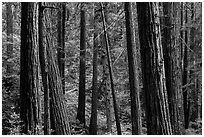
(10, 104)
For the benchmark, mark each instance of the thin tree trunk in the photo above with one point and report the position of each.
(93, 121)
(29, 68)
(133, 72)
(185, 75)
(106, 86)
(9, 21)
(82, 75)
(61, 42)
(178, 67)
(111, 73)
(108, 105)
(154, 81)
(181, 34)
(194, 88)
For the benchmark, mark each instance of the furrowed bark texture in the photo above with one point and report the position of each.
(171, 62)
(43, 67)
(58, 100)
(133, 72)
(29, 67)
(154, 81)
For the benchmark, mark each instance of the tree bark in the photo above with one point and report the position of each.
(105, 86)
(181, 33)
(94, 106)
(133, 72)
(170, 63)
(82, 70)
(9, 22)
(61, 42)
(194, 88)
(58, 100)
(185, 75)
(157, 112)
(110, 72)
(29, 67)
(43, 66)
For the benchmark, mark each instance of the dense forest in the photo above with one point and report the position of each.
(101, 68)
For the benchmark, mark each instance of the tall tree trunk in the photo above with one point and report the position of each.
(47, 15)
(29, 67)
(61, 42)
(157, 112)
(82, 70)
(42, 57)
(93, 121)
(105, 87)
(110, 72)
(178, 70)
(58, 100)
(9, 21)
(194, 87)
(185, 75)
(181, 34)
(133, 72)
(170, 63)
(107, 98)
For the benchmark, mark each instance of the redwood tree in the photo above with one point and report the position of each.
(94, 102)
(93, 121)
(133, 71)
(186, 102)
(82, 70)
(43, 66)
(29, 67)
(58, 106)
(110, 68)
(171, 64)
(61, 41)
(154, 80)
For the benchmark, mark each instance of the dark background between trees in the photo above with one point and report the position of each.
(101, 68)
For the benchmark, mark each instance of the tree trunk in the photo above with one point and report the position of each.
(9, 21)
(110, 72)
(61, 42)
(108, 104)
(93, 121)
(47, 15)
(194, 88)
(106, 86)
(170, 63)
(42, 57)
(181, 34)
(58, 100)
(185, 75)
(157, 112)
(178, 67)
(133, 72)
(29, 67)
(82, 75)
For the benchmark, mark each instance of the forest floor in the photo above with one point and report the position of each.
(11, 123)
